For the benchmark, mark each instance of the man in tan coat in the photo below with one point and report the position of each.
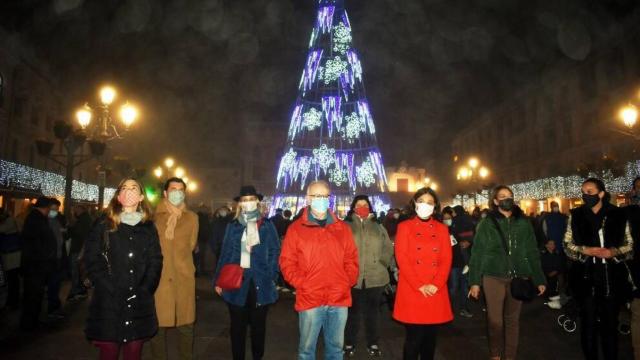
(176, 294)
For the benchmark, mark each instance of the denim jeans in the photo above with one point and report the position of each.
(332, 321)
(458, 289)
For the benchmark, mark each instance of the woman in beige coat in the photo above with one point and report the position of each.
(176, 294)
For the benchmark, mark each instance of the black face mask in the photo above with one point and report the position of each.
(506, 204)
(590, 200)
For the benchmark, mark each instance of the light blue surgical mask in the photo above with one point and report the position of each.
(320, 205)
(131, 218)
(53, 214)
(176, 197)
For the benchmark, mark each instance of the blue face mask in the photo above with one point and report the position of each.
(53, 214)
(176, 197)
(320, 205)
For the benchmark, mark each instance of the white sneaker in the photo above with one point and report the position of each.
(554, 303)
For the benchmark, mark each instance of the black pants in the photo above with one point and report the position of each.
(365, 302)
(248, 315)
(605, 331)
(552, 285)
(13, 284)
(420, 342)
(35, 281)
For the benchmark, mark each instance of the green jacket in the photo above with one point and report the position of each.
(489, 258)
(375, 251)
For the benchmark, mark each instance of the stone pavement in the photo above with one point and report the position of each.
(464, 339)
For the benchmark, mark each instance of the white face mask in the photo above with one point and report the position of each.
(424, 210)
(447, 222)
(249, 206)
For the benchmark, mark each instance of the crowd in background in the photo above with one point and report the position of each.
(583, 259)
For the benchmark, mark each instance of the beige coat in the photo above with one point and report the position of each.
(176, 293)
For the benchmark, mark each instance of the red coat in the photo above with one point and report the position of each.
(423, 253)
(320, 262)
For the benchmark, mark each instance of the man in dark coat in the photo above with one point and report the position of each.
(79, 232)
(221, 218)
(281, 223)
(38, 260)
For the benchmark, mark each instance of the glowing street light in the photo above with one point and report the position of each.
(129, 114)
(179, 172)
(83, 115)
(473, 163)
(185, 179)
(158, 172)
(169, 162)
(629, 115)
(192, 186)
(107, 95)
(483, 172)
(434, 186)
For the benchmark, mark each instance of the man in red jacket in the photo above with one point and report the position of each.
(320, 260)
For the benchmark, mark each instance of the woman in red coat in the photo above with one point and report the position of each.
(423, 253)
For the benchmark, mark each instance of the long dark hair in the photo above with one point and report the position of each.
(600, 186)
(353, 206)
(494, 196)
(417, 195)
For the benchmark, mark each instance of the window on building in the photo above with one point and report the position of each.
(35, 116)
(32, 156)
(14, 150)
(20, 107)
(1, 91)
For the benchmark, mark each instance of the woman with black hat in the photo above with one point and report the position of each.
(250, 247)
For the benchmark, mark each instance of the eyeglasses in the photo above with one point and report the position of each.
(319, 196)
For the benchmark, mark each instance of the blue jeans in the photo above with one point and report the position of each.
(332, 320)
(458, 289)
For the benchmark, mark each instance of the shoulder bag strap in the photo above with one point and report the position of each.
(105, 249)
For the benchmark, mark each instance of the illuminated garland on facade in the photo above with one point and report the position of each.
(47, 183)
(563, 187)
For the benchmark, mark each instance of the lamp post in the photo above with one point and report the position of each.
(168, 169)
(105, 129)
(473, 173)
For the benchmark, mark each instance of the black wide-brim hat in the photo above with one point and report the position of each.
(248, 190)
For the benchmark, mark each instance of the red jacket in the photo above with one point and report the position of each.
(320, 262)
(423, 253)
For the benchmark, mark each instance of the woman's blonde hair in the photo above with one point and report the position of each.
(238, 209)
(115, 208)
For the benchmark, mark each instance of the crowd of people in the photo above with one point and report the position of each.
(141, 265)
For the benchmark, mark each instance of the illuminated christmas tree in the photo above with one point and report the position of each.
(332, 135)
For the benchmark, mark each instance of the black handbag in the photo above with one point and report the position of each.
(522, 287)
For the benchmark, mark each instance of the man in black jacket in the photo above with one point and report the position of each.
(38, 259)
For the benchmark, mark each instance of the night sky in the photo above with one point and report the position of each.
(201, 68)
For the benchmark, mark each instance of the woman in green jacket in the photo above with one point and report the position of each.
(490, 268)
(375, 251)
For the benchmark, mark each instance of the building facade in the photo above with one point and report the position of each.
(565, 123)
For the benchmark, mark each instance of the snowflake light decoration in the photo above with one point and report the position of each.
(365, 173)
(354, 126)
(333, 69)
(312, 119)
(324, 157)
(338, 176)
(341, 38)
